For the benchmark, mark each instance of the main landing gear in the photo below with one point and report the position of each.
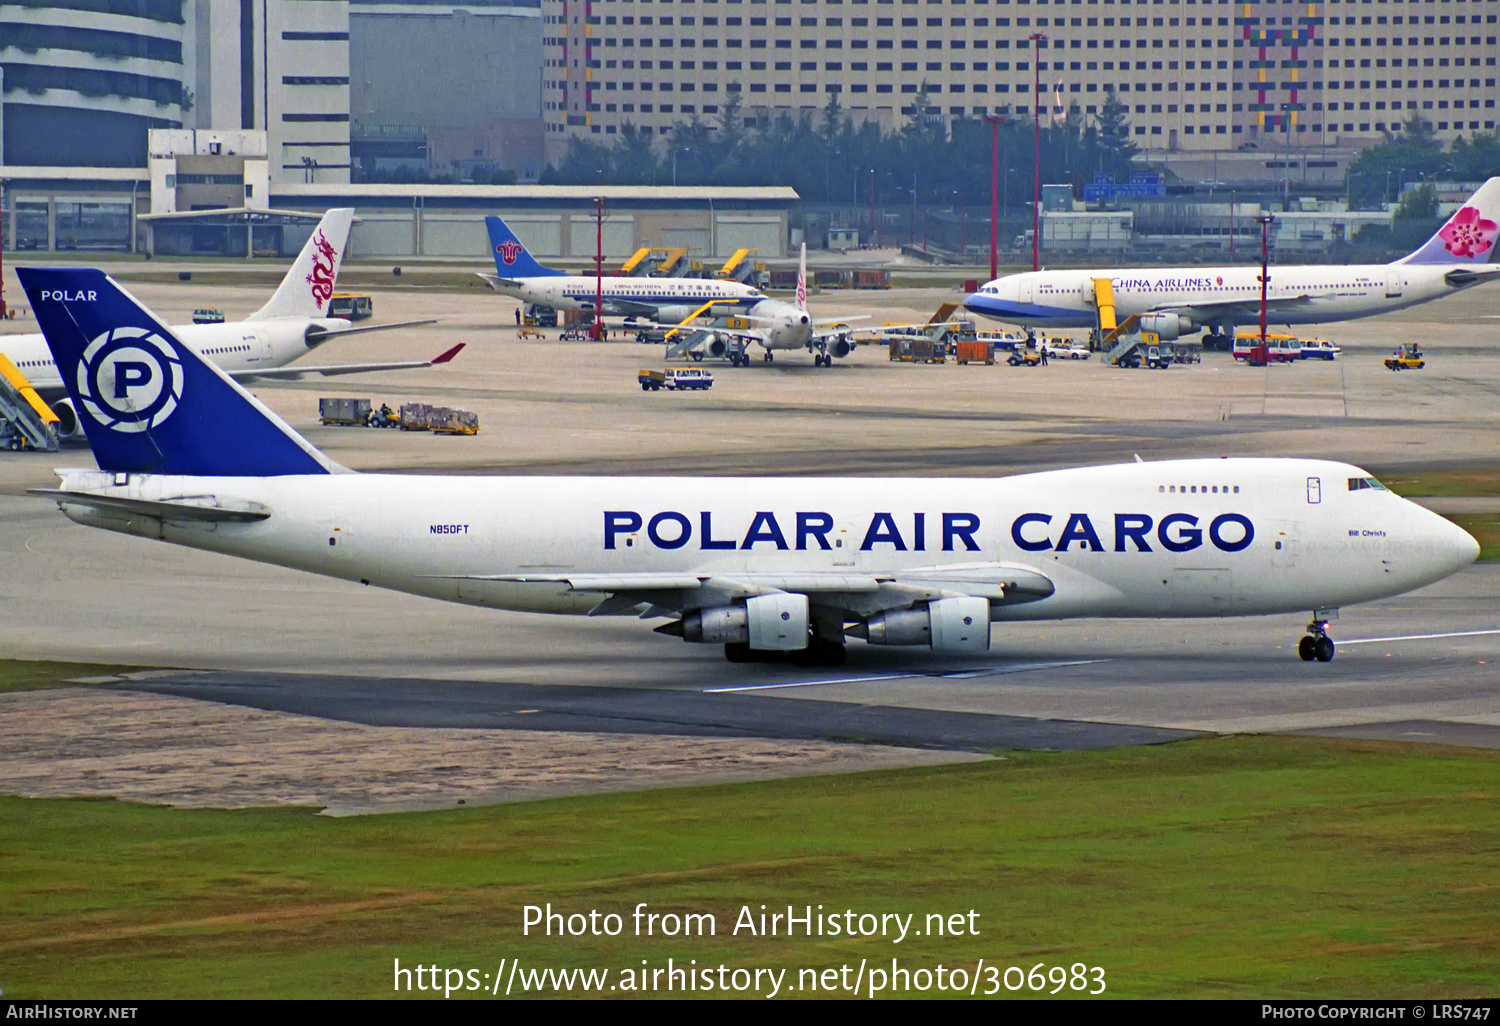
(1317, 644)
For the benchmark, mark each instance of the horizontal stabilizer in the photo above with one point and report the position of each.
(202, 509)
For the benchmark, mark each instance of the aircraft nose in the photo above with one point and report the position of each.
(1454, 547)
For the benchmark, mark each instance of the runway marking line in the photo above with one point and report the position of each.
(1417, 637)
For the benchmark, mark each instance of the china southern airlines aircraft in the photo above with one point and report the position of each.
(291, 325)
(1179, 301)
(767, 565)
(659, 299)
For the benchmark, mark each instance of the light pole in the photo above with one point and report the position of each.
(599, 269)
(1037, 39)
(1265, 220)
(994, 120)
(874, 234)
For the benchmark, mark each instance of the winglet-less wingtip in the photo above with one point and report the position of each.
(450, 354)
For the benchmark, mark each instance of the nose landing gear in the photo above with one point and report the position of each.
(1317, 644)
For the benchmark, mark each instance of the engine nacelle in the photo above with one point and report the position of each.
(840, 347)
(717, 625)
(770, 623)
(714, 345)
(68, 424)
(955, 625)
(1168, 326)
(673, 314)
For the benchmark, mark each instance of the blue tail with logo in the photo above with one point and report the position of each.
(148, 403)
(511, 257)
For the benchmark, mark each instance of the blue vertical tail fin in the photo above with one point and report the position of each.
(148, 403)
(512, 260)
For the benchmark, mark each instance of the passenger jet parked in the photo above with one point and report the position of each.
(1179, 301)
(291, 325)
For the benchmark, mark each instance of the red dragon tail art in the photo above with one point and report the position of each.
(321, 277)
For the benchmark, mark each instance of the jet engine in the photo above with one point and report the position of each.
(68, 424)
(673, 314)
(840, 347)
(1168, 326)
(714, 345)
(780, 622)
(954, 625)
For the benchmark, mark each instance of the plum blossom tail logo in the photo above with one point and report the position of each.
(321, 278)
(509, 250)
(130, 379)
(801, 289)
(1469, 234)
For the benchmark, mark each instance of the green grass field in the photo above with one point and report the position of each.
(1227, 867)
(30, 675)
(1414, 484)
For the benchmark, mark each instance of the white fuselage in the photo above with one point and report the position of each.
(236, 346)
(580, 292)
(782, 325)
(1066, 299)
(1177, 538)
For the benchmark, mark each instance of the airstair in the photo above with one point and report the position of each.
(25, 421)
(674, 263)
(741, 268)
(638, 266)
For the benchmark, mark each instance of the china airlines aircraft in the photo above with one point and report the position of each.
(1179, 301)
(291, 325)
(764, 566)
(780, 326)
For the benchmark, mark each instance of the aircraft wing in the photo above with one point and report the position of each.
(297, 373)
(184, 509)
(1206, 312)
(864, 594)
(497, 282)
(323, 334)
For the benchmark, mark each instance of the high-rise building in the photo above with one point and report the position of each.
(1195, 74)
(84, 80)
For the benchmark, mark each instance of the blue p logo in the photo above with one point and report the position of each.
(128, 374)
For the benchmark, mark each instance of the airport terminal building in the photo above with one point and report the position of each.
(1196, 74)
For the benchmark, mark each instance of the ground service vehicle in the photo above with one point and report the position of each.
(682, 379)
(651, 380)
(353, 306)
(1025, 358)
(1060, 350)
(1407, 357)
(1279, 348)
(1320, 349)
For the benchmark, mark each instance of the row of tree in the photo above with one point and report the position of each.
(1415, 154)
(829, 158)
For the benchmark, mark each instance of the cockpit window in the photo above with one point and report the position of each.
(1357, 483)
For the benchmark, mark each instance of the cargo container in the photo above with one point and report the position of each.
(453, 422)
(344, 412)
(974, 352)
(917, 349)
(872, 279)
(783, 280)
(416, 416)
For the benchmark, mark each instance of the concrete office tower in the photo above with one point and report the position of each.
(281, 66)
(451, 88)
(1197, 75)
